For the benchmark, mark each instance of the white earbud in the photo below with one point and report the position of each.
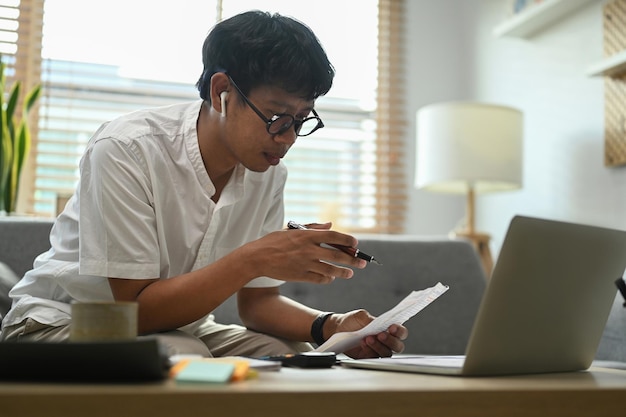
(223, 96)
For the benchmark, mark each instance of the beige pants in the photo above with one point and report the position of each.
(217, 340)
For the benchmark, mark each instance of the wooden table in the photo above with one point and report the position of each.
(331, 392)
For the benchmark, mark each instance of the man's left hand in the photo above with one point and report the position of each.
(383, 344)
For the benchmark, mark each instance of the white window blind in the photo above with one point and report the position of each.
(9, 14)
(78, 98)
(20, 40)
(332, 173)
(349, 172)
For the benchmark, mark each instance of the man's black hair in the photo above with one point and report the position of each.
(258, 48)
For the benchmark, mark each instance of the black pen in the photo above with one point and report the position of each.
(346, 249)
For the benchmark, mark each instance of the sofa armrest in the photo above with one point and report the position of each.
(22, 239)
(613, 343)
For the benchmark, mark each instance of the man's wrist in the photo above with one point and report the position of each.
(317, 328)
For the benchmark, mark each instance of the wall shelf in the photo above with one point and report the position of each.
(536, 17)
(610, 67)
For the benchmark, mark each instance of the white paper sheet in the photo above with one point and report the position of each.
(407, 308)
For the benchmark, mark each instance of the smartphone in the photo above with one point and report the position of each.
(305, 359)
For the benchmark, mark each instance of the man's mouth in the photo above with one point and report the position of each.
(273, 159)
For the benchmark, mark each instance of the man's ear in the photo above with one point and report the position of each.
(219, 85)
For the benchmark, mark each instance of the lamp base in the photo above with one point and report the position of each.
(481, 244)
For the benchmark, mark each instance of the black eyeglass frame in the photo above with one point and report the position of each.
(297, 124)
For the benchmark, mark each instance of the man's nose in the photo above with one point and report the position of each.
(288, 137)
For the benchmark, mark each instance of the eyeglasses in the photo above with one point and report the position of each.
(280, 123)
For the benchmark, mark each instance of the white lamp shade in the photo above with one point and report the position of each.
(467, 144)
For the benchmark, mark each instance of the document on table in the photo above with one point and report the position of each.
(407, 308)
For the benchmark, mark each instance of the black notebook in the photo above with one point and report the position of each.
(135, 360)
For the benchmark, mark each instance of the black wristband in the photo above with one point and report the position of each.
(317, 326)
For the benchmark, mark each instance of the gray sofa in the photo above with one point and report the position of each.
(409, 263)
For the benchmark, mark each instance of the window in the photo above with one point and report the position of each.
(349, 172)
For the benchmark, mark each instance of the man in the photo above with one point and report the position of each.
(178, 208)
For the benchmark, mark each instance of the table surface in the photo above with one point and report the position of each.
(332, 392)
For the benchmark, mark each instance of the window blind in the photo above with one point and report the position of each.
(350, 172)
(78, 98)
(391, 125)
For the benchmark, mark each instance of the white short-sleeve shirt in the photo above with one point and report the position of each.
(142, 209)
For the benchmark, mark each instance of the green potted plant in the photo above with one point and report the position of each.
(15, 139)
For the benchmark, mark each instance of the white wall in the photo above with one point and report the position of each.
(545, 76)
(440, 68)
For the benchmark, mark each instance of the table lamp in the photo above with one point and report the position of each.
(468, 148)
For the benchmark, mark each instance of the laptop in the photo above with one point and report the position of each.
(545, 306)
